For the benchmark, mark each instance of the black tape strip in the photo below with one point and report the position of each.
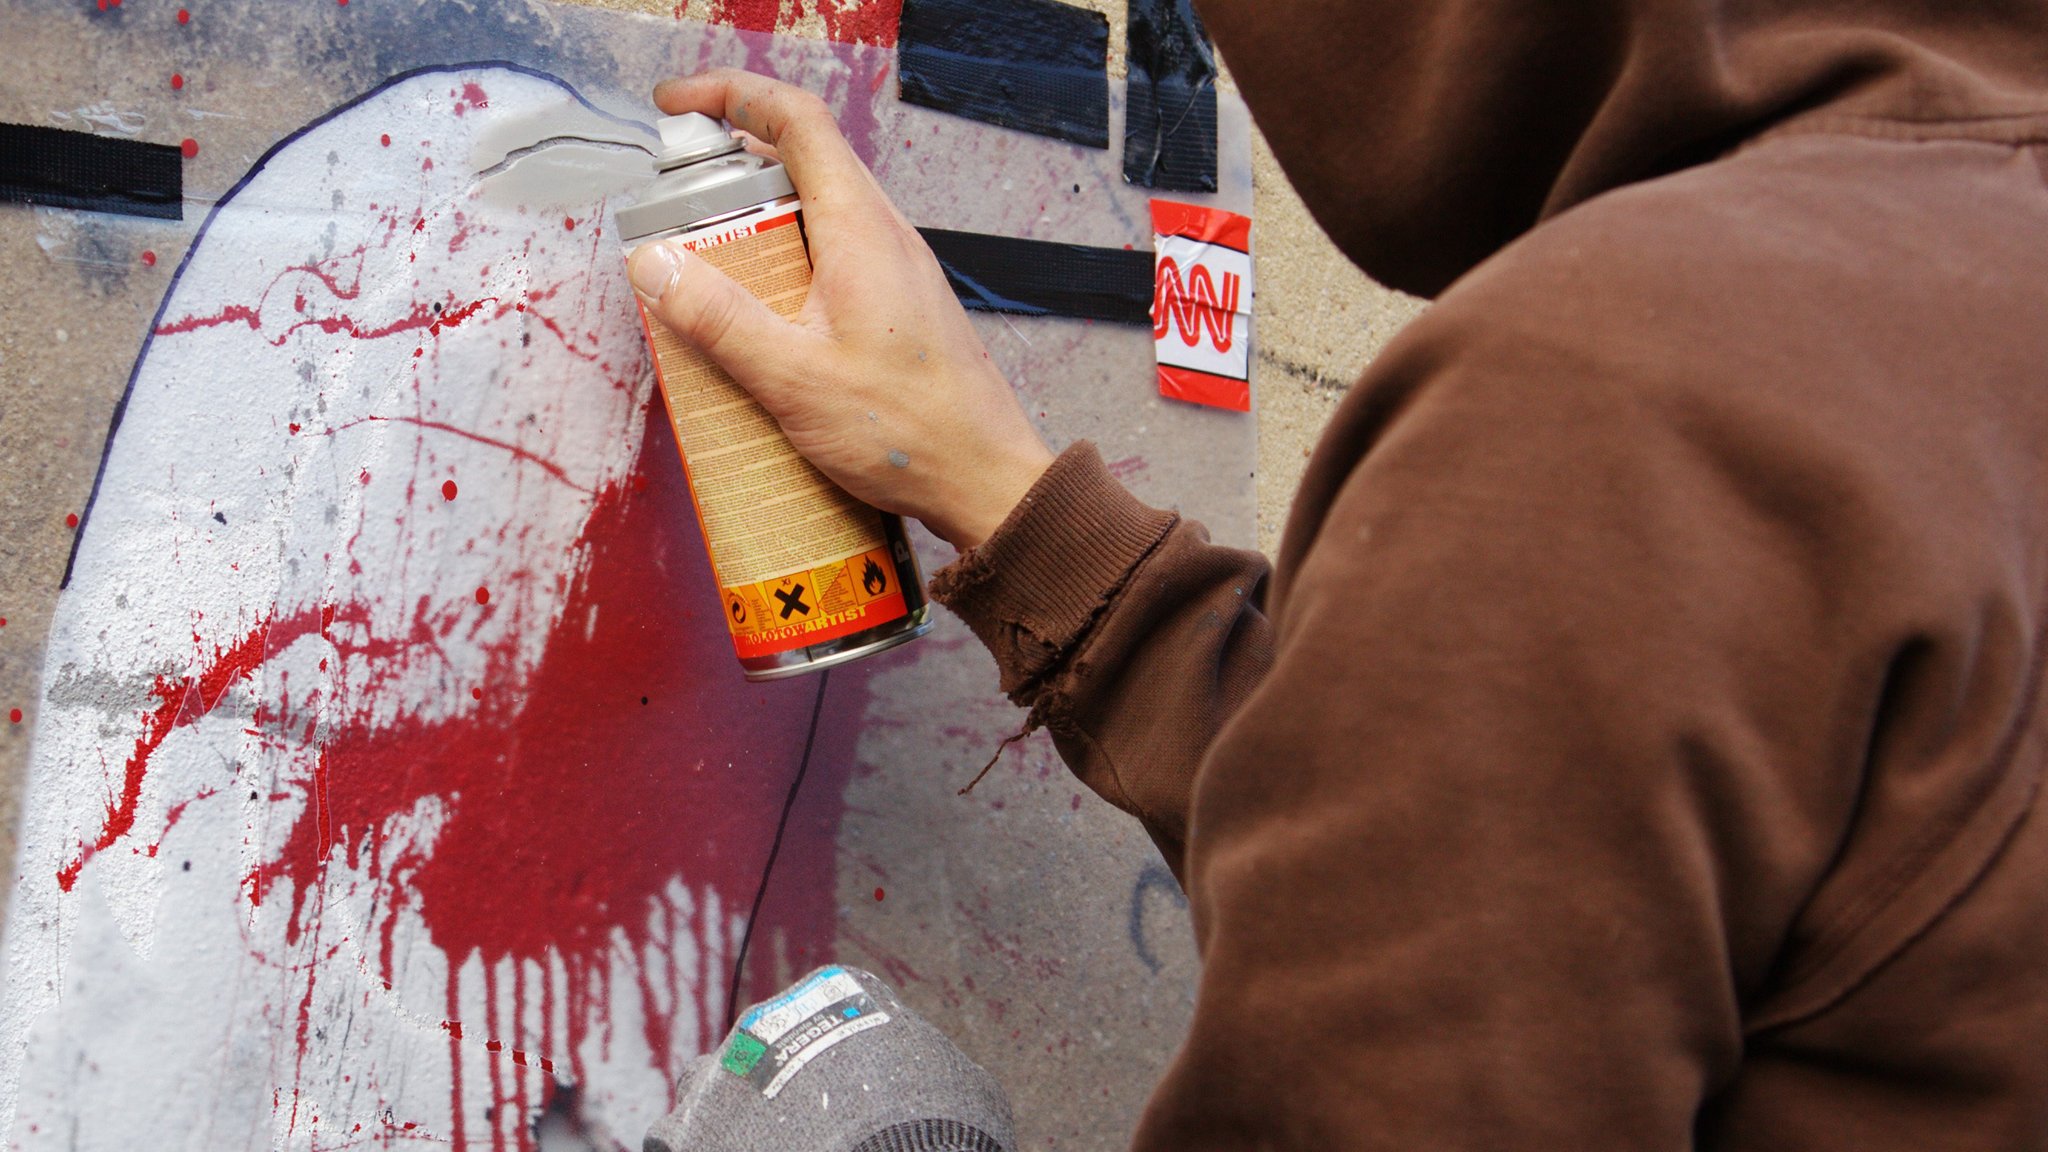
(1034, 65)
(1170, 118)
(66, 169)
(1039, 278)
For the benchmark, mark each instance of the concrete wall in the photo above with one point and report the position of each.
(245, 541)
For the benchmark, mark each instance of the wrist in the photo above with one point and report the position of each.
(991, 496)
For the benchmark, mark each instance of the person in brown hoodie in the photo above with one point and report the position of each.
(1638, 742)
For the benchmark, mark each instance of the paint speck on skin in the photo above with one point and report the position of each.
(71, 519)
(483, 595)
(878, 895)
(448, 490)
(177, 81)
(189, 147)
(898, 459)
(148, 258)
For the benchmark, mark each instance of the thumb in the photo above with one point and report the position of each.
(711, 312)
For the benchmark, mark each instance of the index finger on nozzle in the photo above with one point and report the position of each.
(795, 123)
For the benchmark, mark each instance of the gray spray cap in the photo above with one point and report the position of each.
(703, 172)
(689, 138)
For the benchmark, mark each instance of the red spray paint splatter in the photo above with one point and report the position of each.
(189, 147)
(184, 17)
(14, 716)
(177, 81)
(385, 139)
(847, 21)
(148, 258)
(182, 701)
(71, 519)
(483, 595)
(448, 489)
(878, 895)
(567, 819)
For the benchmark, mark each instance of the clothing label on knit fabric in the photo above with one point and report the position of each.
(1202, 304)
(776, 1039)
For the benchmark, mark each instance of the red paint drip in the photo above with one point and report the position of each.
(177, 81)
(448, 489)
(541, 462)
(184, 700)
(568, 825)
(189, 147)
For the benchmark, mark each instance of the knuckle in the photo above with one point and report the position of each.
(715, 315)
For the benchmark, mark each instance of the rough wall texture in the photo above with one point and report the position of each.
(922, 888)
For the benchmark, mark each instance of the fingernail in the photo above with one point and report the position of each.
(652, 268)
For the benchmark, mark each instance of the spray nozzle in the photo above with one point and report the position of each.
(689, 138)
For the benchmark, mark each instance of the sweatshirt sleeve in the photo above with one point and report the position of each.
(1129, 635)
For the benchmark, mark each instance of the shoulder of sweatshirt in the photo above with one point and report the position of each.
(1794, 395)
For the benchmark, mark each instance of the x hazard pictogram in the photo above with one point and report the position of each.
(793, 601)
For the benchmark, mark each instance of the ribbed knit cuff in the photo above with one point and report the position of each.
(1033, 589)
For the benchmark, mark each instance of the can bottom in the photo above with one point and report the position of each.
(845, 650)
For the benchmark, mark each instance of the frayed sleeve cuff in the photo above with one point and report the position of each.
(1034, 589)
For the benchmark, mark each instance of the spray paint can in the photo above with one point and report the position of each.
(809, 576)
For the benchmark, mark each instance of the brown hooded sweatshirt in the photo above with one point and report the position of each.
(1638, 744)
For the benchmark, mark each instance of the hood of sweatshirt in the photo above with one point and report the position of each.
(1425, 135)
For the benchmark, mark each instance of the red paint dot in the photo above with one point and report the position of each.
(483, 595)
(294, 428)
(385, 139)
(189, 147)
(184, 17)
(364, 476)
(476, 693)
(569, 222)
(148, 258)
(448, 490)
(878, 894)
(3, 621)
(14, 715)
(71, 519)
(177, 81)
(343, 3)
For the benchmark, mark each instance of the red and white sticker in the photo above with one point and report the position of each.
(1202, 304)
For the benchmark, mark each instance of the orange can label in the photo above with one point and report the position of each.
(800, 562)
(811, 607)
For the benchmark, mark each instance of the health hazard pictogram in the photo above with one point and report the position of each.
(1202, 304)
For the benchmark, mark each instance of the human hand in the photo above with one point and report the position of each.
(879, 381)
